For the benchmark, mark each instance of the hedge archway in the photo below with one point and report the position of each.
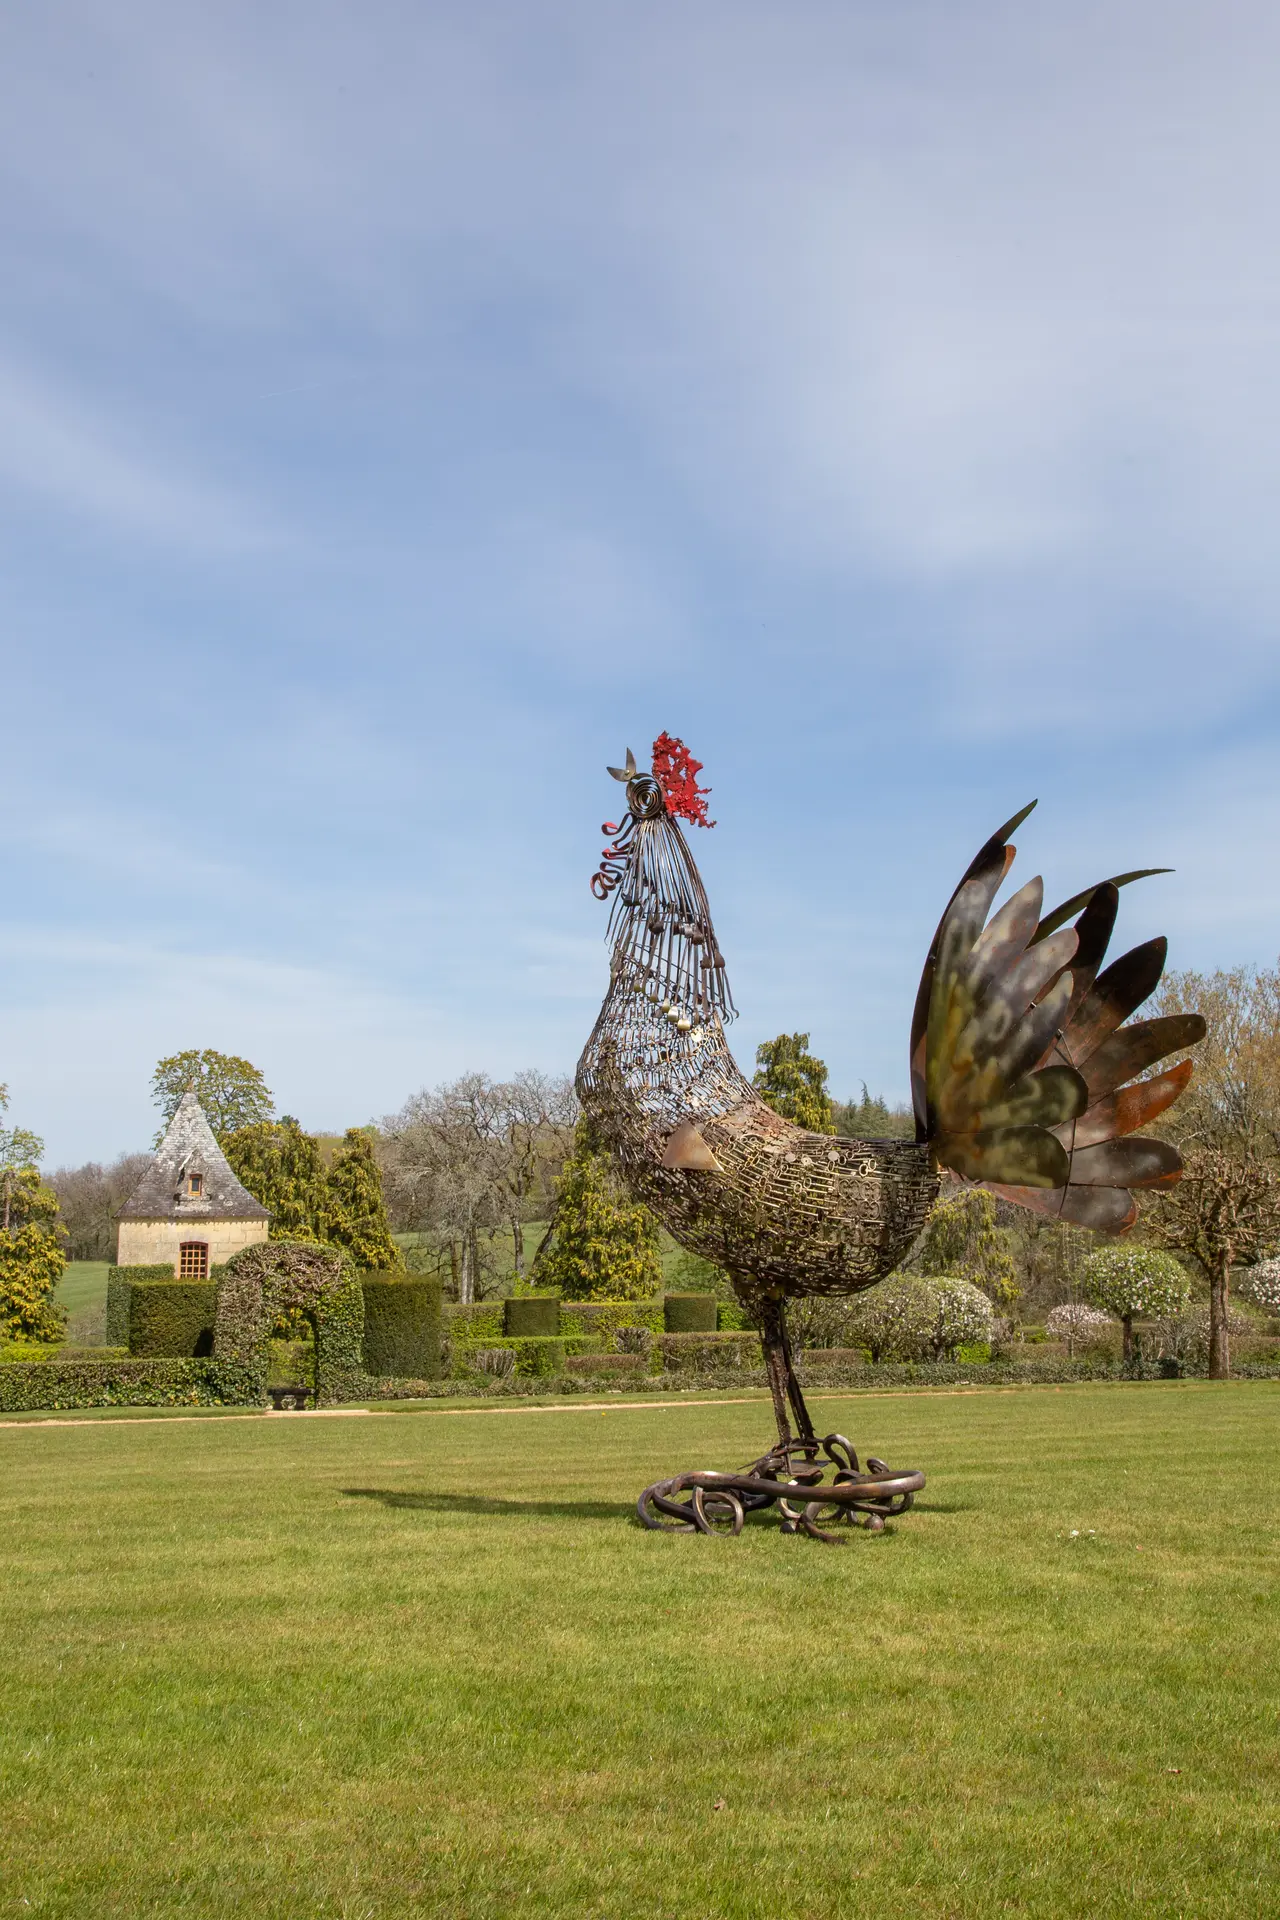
(281, 1279)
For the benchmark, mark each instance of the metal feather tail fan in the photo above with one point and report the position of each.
(1020, 1059)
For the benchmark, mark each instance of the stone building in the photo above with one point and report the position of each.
(188, 1208)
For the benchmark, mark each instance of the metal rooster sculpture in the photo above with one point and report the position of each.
(1022, 1078)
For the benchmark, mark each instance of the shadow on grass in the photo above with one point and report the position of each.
(492, 1504)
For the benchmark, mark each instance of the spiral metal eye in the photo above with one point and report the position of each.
(644, 797)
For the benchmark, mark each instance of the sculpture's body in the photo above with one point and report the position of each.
(1018, 1068)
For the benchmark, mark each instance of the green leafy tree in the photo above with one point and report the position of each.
(872, 1118)
(354, 1213)
(962, 1238)
(31, 1260)
(281, 1167)
(793, 1082)
(602, 1245)
(20, 1150)
(1131, 1281)
(232, 1091)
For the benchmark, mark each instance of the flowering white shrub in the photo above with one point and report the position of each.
(910, 1318)
(1136, 1282)
(895, 1319)
(1079, 1326)
(1261, 1284)
(963, 1315)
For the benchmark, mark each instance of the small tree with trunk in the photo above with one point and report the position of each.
(1224, 1211)
(793, 1082)
(1135, 1282)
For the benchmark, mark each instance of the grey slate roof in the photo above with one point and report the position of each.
(189, 1147)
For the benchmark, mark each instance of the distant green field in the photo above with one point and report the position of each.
(425, 1664)
(84, 1284)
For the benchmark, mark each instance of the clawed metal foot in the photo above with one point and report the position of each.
(791, 1477)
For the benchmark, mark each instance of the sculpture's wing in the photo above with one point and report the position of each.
(1021, 1061)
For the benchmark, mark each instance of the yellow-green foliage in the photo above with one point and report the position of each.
(794, 1083)
(962, 1240)
(281, 1166)
(31, 1260)
(231, 1091)
(605, 1246)
(355, 1214)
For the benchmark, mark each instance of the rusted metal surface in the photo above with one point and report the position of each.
(1016, 1042)
(805, 1489)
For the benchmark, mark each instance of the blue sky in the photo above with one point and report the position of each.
(406, 408)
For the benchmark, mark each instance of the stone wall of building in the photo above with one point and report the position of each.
(150, 1243)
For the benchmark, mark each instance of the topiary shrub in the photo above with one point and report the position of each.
(1261, 1284)
(402, 1326)
(1135, 1283)
(689, 1313)
(119, 1281)
(532, 1316)
(1082, 1329)
(896, 1321)
(608, 1366)
(476, 1320)
(707, 1354)
(536, 1358)
(171, 1319)
(278, 1285)
(601, 1320)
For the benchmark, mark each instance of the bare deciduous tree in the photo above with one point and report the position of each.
(90, 1197)
(474, 1155)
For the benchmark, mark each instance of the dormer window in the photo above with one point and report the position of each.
(195, 1185)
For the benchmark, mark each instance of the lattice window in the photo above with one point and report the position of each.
(193, 1260)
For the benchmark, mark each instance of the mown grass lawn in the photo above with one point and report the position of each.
(423, 1664)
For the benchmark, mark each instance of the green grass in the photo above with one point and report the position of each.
(84, 1284)
(423, 1664)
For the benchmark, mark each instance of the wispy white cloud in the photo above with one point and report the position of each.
(72, 456)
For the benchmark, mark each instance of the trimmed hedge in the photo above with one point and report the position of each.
(531, 1316)
(402, 1325)
(710, 1353)
(54, 1385)
(287, 1279)
(536, 1358)
(601, 1319)
(689, 1313)
(119, 1281)
(609, 1366)
(171, 1319)
(481, 1322)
